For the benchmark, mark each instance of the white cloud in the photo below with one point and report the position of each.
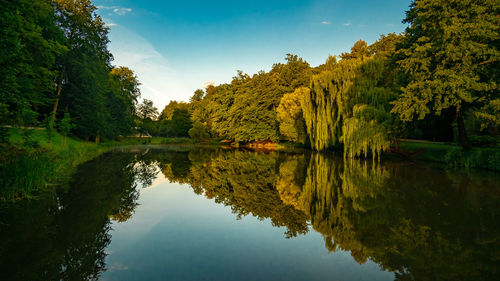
(121, 11)
(108, 22)
(326, 22)
(208, 83)
(347, 24)
(159, 82)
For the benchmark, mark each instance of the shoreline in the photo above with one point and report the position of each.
(24, 170)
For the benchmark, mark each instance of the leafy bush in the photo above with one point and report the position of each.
(199, 131)
(482, 140)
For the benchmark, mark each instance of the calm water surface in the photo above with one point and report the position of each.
(213, 214)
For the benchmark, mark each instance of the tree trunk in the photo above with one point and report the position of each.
(56, 104)
(462, 133)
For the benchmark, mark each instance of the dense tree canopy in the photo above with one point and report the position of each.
(450, 51)
(55, 60)
(442, 71)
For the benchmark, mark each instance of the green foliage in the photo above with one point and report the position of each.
(25, 169)
(363, 132)
(65, 124)
(49, 130)
(450, 53)
(178, 126)
(147, 110)
(168, 112)
(453, 155)
(291, 121)
(197, 96)
(245, 109)
(56, 56)
(324, 106)
(349, 103)
(359, 50)
(121, 101)
(199, 131)
(30, 43)
(482, 140)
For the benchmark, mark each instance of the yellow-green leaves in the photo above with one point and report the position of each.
(290, 118)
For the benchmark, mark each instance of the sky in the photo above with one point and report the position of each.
(176, 47)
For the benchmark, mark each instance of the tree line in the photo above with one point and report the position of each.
(436, 81)
(56, 66)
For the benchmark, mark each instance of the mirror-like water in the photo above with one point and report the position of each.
(212, 214)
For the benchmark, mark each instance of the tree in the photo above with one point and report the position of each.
(30, 42)
(197, 96)
(65, 126)
(121, 99)
(146, 110)
(290, 118)
(168, 111)
(349, 103)
(451, 55)
(359, 50)
(86, 67)
(199, 131)
(325, 104)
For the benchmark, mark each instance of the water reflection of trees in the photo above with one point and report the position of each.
(421, 223)
(246, 182)
(63, 235)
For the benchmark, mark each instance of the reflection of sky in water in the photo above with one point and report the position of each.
(175, 234)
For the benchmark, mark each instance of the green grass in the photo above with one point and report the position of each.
(28, 164)
(454, 155)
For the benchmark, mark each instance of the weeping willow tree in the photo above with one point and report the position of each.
(362, 134)
(324, 105)
(349, 103)
(367, 126)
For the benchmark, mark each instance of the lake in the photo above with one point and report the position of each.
(177, 213)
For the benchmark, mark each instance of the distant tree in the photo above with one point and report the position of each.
(168, 112)
(197, 96)
(146, 110)
(451, 54)
(359, 50)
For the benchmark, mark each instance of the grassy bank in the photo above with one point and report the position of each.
(453, 155)
(30, 163)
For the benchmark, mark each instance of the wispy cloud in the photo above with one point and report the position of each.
(159, 81)
(109, 22)
(208, 83)
(325, 22)
(121, 11)
(347, 24)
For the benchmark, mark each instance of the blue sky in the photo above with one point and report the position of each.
(176, 47)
